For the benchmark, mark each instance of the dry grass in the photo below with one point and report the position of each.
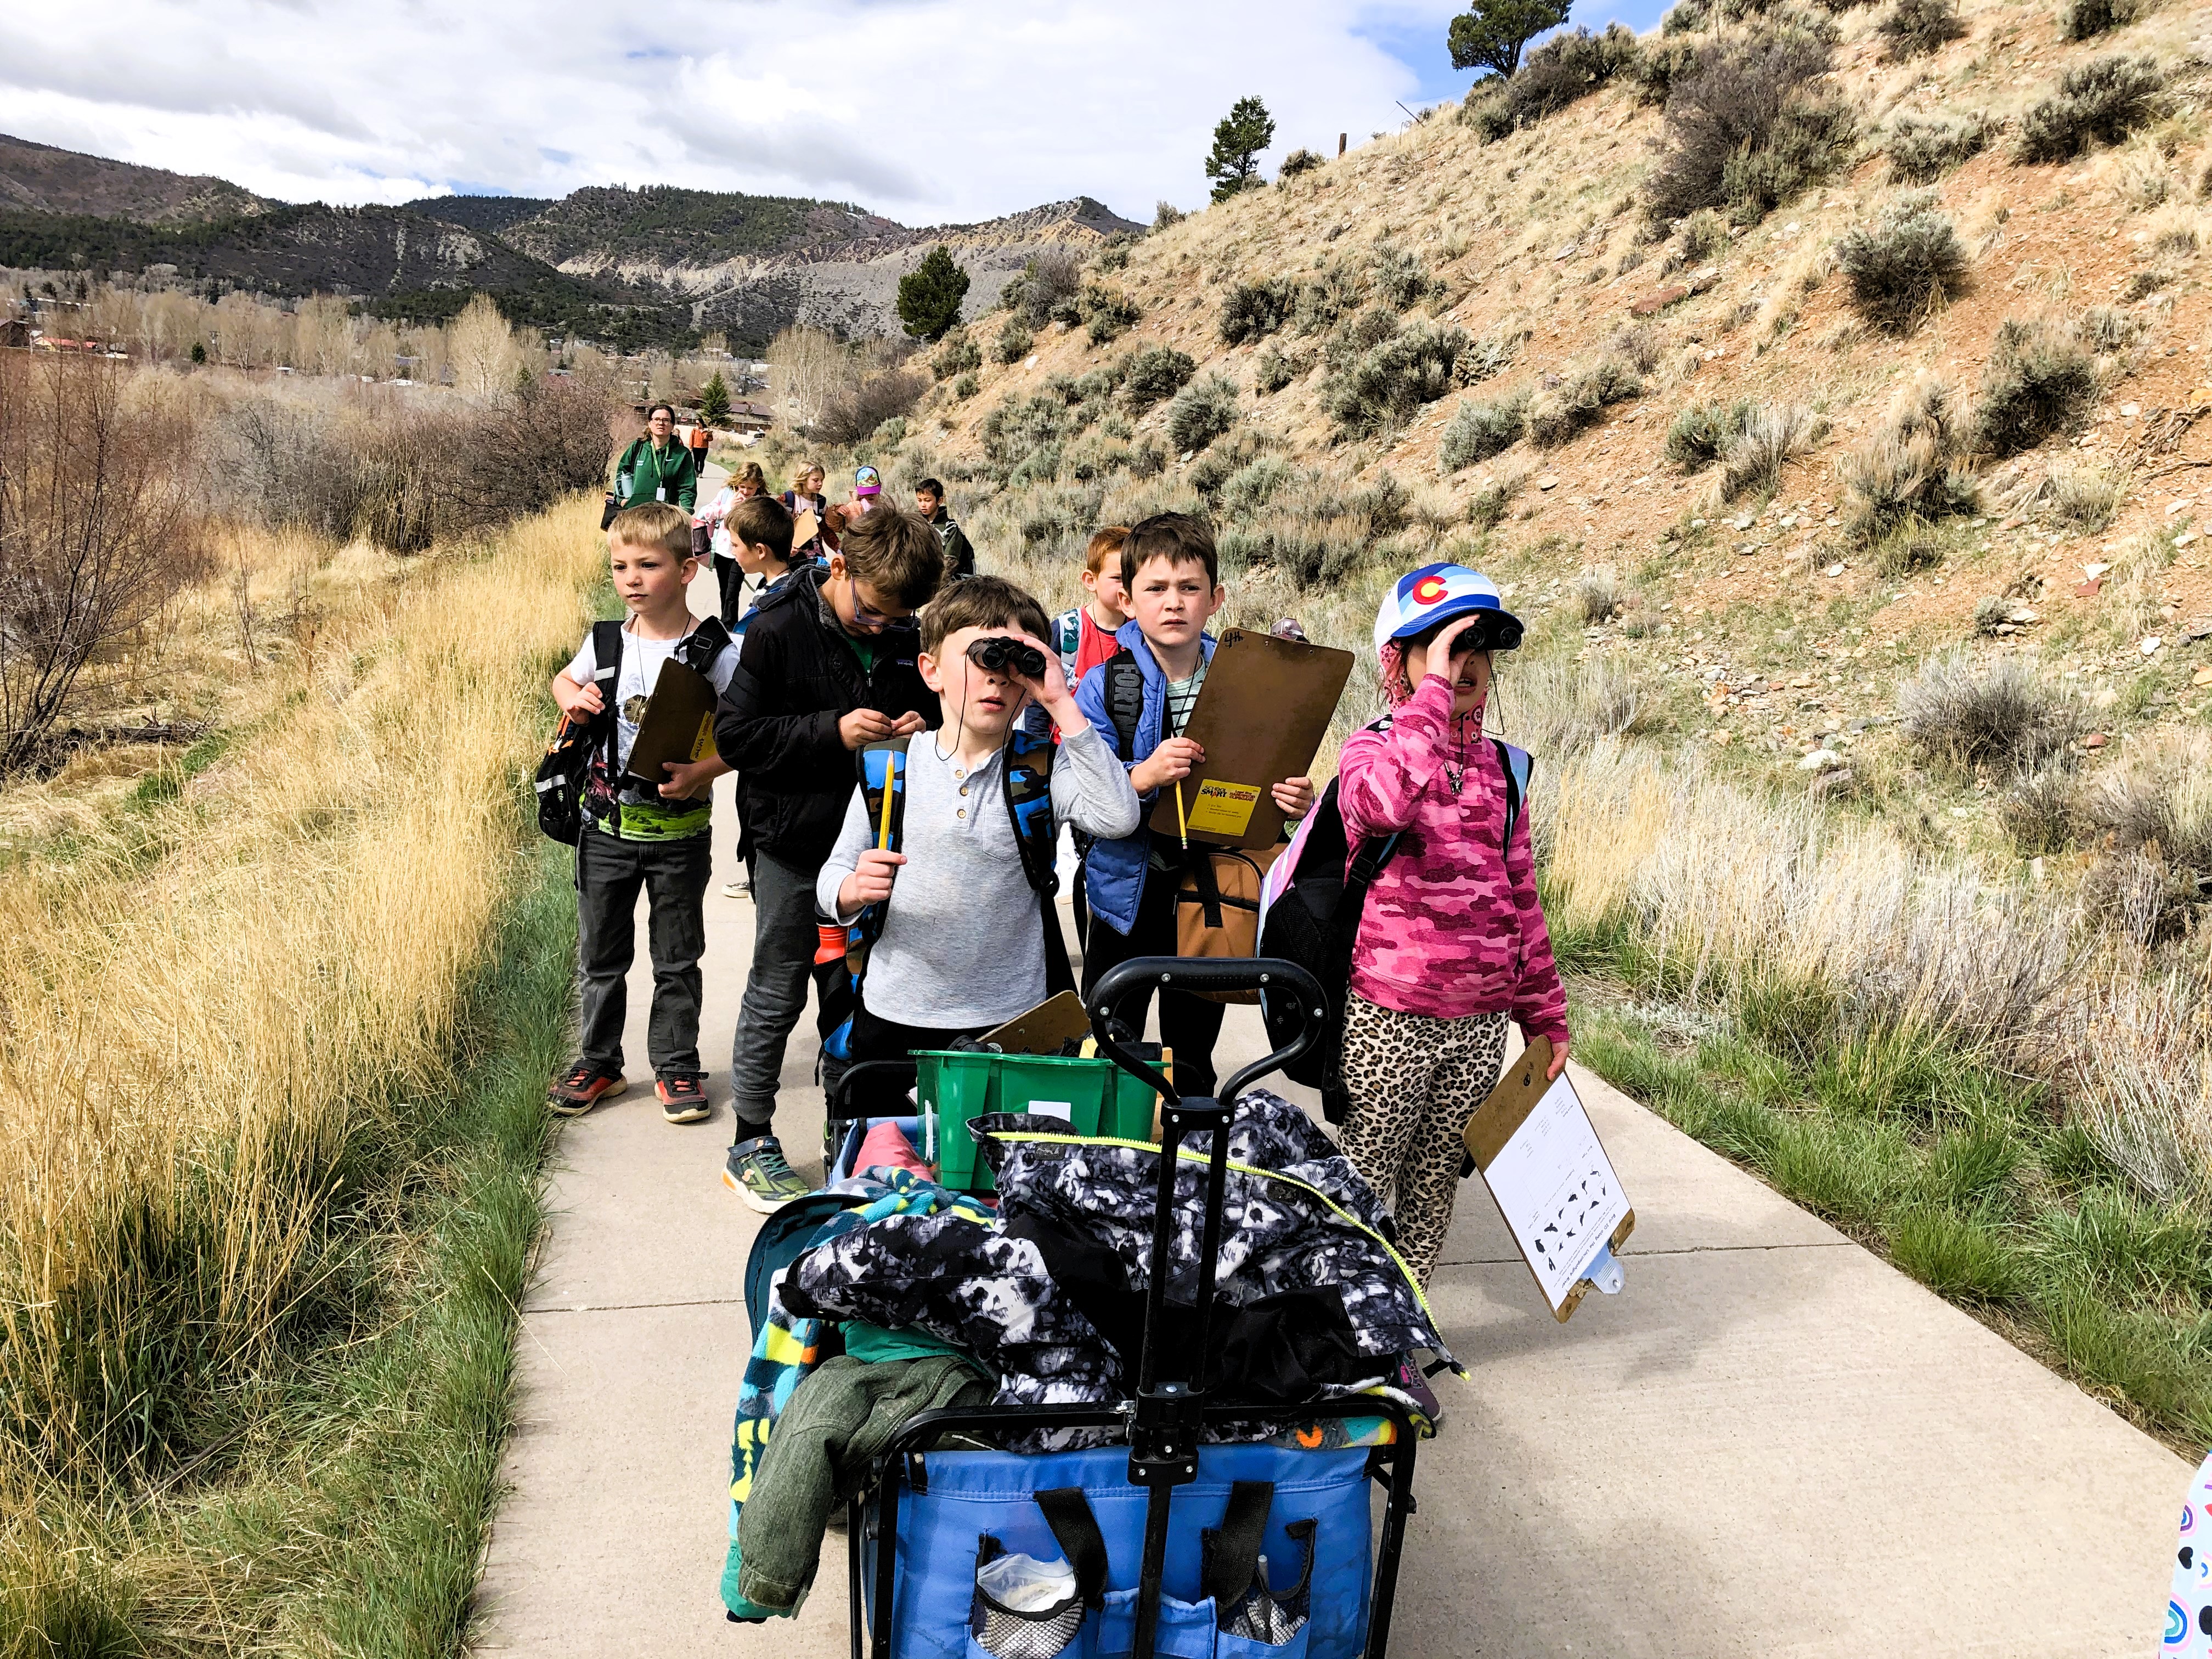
(227, 993)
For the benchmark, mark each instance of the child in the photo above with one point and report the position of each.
(746, 483)
(656, 841)
(1172, 577)
(1084, 635)
(959, 552)
(1452, 939)
(828, 668)
(806, 496)
(758, 531)
(962, 946)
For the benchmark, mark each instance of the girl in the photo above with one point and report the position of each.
(806, 496)
(747, 481)
(1452, 940)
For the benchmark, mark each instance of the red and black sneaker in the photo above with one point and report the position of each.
(581, 1087)
(683, 1096)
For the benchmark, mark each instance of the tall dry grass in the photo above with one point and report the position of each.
(228, 998)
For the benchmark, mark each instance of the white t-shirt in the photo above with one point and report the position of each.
(640, 671)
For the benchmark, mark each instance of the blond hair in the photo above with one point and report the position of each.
(653, 524)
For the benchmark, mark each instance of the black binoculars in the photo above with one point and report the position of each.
(1000, 655)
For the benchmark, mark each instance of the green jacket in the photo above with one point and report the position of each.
(642, 471)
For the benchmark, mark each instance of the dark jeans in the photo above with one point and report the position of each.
(775, 990)
(1189, 1025)
(884, 1039)
(610, 874)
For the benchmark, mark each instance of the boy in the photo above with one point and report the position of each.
(962, 946)
(1173, 583)
(758, 534)
(959, 552)
(1084, 635)
(657, 841)
(828, 668)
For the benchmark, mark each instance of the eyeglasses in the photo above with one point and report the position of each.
(867, 618)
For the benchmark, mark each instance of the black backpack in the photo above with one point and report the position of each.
(1310, 911)
(564, 775)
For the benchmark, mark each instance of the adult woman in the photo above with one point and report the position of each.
(806, 496)
(656, 467)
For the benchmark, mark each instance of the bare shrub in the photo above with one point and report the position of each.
(1557, 416)
(1904, 264)
(1201, 412)
(1770, 436)
(2004, 717)
(852, 415)
(1252, 311)
(97, 529)
(1155, 373)
(1744, 131)
(2040, 381)
(1393, 380)
(1639, 346)
(1914, 29)
(2101, 101)
(2109, 331)
(1049, 279)
(1597, 592)
(1480, 430)
(1923, 147)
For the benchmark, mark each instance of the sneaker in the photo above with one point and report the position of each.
(581, 1087)
(683, 1096)
(741, 888)
(757, 1173)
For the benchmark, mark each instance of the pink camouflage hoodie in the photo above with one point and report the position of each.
(1452, 925)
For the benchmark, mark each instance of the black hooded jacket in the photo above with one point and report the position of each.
(797, 676)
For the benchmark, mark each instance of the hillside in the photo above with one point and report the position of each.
(44, 179)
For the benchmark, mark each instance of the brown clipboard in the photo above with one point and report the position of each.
(1498, 1119)
(1044, 1028)
(805, 528)
(1261, 717)
(678, 724)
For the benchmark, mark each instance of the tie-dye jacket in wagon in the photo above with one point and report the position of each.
(1452, 925)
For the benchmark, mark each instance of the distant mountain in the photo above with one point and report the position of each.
(44, 180)
(618, 265)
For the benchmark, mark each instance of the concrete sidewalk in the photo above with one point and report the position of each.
(1771, 1443)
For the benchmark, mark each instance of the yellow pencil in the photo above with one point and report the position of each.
(891, 782)
(1182, 823)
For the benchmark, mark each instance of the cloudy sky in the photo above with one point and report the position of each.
(929, 111)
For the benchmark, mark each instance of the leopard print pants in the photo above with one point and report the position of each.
(1414, 1082)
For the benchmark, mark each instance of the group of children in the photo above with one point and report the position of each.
(877, 640)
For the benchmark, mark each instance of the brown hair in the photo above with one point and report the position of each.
(750, 473)
(980, 602)
(1104, 544)
(762, 521)
(653, 524)
(896, 552)
(1178, 537)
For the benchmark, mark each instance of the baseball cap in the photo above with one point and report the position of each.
(868, 482)
(1437, 592)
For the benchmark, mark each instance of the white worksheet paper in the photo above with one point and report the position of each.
(1557, 1190)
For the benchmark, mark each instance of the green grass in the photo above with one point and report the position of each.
(346, 1510)
(1956, 1173)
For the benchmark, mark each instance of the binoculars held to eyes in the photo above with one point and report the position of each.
(1000, 655)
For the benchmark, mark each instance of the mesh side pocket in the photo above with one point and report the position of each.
(1005, 1633)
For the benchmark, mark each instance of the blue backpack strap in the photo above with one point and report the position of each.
(882, 767)
(1518, 768)
(1027, 786)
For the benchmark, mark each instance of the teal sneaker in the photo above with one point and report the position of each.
(757, 1173)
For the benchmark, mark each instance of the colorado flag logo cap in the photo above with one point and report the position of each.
(1436, 593)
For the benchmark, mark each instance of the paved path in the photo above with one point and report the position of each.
(1770, 1443)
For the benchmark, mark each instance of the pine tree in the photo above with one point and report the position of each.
(1491, 34)
(1238, 138)
(929, 296)
(714, 399)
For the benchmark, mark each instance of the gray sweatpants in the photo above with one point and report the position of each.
(775, 991)
(610, 874)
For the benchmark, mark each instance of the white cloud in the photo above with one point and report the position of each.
(927, 110)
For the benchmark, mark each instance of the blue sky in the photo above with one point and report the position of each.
(929, 111)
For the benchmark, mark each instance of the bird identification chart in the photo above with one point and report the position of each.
(1550, 1176)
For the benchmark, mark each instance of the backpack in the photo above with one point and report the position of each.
(564, 783)
(1124, 700)
(1310, 912)
(1027, 787)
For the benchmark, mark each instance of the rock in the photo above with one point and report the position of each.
(2088, 590)
(1566, 252)
(2131, 410)
(2202, 677)
(2185, 538)
(1831, 783)
(1547, 483)
(2197, 628)
(2023, 616)
(1820, 760)
(2172, 507)
(1703, 280)
(2091, 572)
(2149, 647)
(2095, 740)
(1652, 304)
(1833, 570)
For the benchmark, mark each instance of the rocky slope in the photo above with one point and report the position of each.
(43, 179)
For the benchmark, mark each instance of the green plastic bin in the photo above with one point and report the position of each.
(1091, 1096)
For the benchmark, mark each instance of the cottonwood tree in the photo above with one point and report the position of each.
(1491, 34)
(482, 349)
(1238, 138)
(929, 296)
